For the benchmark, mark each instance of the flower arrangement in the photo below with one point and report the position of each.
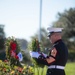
(12, 50)
(5, 69)
(35, 46)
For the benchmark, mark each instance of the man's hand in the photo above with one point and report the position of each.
(34, 54)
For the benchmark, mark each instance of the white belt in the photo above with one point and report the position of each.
(56, 67)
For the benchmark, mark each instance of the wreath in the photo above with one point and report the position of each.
(12, 51)
(35, 46)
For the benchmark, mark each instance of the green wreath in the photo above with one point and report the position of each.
(35, 46)
(12, 50)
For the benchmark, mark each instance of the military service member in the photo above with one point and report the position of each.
(57, 59)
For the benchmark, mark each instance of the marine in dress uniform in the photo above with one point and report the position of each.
(58, 56)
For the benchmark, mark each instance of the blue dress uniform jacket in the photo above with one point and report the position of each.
(56, 67)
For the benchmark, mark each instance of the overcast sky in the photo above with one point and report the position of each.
(21, 17)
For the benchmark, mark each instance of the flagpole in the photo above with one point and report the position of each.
(40, 19)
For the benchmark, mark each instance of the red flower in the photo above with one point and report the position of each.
(20, 69)
(13, 46)
(16, 57)
(5, 60)
(4, 69)
(12, 53)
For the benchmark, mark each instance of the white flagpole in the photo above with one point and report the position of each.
(40, 19)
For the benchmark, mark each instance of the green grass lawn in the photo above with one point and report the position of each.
(69, 69)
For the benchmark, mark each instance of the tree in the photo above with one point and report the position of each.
(2, 42)
(2, 37)
(67, 21)
(23, 43)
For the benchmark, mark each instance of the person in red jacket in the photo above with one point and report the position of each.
(57, 59)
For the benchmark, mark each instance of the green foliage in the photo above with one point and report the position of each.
(40, 71)
(34, 45)
(71, 56)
